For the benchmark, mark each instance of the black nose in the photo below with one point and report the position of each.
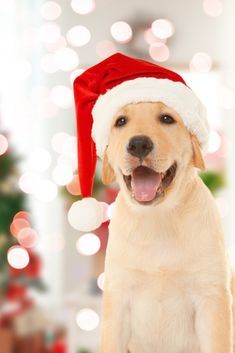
(140, 146)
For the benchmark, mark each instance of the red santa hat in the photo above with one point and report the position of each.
(116, 81)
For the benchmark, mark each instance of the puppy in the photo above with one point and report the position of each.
(168, 283)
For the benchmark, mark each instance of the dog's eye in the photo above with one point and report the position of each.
(122, 120)
(167, 119)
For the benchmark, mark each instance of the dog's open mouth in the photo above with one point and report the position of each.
(146, 185)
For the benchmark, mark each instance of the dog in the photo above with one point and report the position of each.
(168, 282)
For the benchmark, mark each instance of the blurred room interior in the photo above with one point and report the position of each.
(51, 276)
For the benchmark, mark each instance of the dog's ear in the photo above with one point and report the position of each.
(108, 175)
(198, 160)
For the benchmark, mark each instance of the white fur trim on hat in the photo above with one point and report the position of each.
(176, 95)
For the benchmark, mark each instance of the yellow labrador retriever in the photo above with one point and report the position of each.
(168, 283)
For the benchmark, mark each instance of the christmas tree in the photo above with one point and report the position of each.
(14, 282)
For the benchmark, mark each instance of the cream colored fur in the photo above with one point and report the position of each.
(168, 282)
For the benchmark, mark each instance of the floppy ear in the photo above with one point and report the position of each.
(198, 160)
(108, 175)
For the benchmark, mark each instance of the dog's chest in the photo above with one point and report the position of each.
(155, 273)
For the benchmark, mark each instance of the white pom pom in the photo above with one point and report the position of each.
(86, 215)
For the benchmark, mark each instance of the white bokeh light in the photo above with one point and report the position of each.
(62, 96)
(105, 48)
(28, 182)
(159, 52)
(100, 281)
(88, 244)
(48, 63)
(78, 36)
(40, 159)
(162, 28)
(200, 62)
(82, 7)
(27, 237)
(214, 142)
(150, 37)
(70, 160)
(49, 32)
(50, 10)
(3, 144)
(121, 31)
(66, 59)
(46, 190)
(17, 257)
(87, 319)
(213, 8)
(59, 140)
(58, 44)
(62, 174)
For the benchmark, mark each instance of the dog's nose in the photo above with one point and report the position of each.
(140, 146)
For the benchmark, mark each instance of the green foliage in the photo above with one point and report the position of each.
(213, 180)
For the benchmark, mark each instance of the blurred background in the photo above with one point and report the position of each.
(51, 276)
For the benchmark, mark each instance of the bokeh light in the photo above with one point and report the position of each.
(121, 31)
(50, 10)
(46, 191)
(87, 319)
(214, 142)
(74, 186)
(3, 144)
(41, 102)
(88, 244)
(150, 37)
(70, 160)
(62, 96)
(49, 32)
(200, 62)
(78, 36)
(28, 182)
(162, 28)
(17, 225)
(17, 257)
(22, 214)
(58, 44)
(39, 160)
(66, 59)
(100, 281)
(213, 8)
(159, 52)
(62, 174)
(86, 215)
(82, 7)
(59, 140)
(27, 237)
(105, 48)
(48, 63)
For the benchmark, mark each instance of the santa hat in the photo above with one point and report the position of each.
(116, 81)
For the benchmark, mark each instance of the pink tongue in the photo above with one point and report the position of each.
(144, 183)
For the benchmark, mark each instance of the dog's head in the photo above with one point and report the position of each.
(148, 152)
